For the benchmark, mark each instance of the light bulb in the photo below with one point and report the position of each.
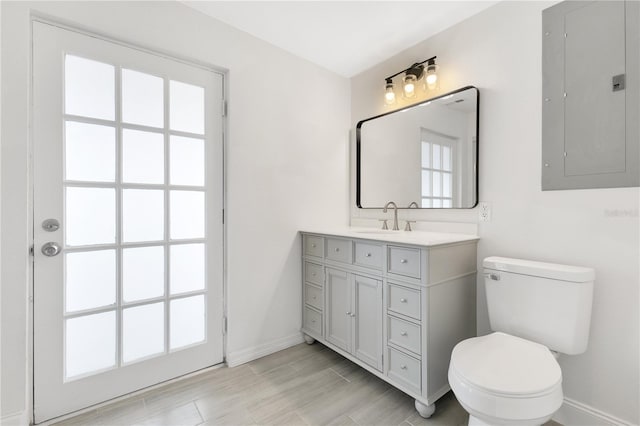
(389, 94)
(409, 85)
(432, 75)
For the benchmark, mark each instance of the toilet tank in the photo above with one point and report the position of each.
(543, 302)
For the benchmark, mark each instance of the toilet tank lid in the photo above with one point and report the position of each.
(554, 271)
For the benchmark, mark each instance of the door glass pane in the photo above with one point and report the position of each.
(142, 157)
(187, 268)
(142, 99)
(142, 331)
(187, 321)
(187, 214)
(446, 158)
(437, 188)
(446, 203)
(90, 152)
(426, 160)
(426, 183)
(436, 156)
(142, 273)
(187, 161)
(446, 184)
(90, 216)
(437, 202)
(186, 107)
(89, 88)
(90, 343)
(426, 202)
(90, 279)
(142, 215)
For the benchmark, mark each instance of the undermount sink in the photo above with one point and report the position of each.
(376, 231)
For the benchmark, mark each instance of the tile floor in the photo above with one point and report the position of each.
(302, 385)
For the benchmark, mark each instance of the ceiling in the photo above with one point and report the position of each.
(346, 37)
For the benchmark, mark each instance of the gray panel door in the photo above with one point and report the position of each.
(368, 320)
(594, 112)
(338, 309)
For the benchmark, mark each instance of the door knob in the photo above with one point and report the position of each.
(50, 249)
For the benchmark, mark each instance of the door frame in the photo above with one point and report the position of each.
(224, 73)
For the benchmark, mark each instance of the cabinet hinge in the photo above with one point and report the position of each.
(224, 326)
(224, 108)
(31, 252)
(223, 216)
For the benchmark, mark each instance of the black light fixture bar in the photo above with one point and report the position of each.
(388, 79)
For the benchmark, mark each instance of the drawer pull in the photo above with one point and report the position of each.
(403, 300)
(367, 255)
(313, 274)
(313, 321)
(403, 367)
(403, 260)
(313, 245)
(402, 333)
(337, 249)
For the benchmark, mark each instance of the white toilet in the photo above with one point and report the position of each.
(511, 377)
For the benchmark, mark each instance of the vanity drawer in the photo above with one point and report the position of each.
(313, 246)
(405, 369)
(403, 300)
(369, 255)
(313, 321)
(313, 296)
(404, 334)
(339, 250)
(313, 273)
(404, 261)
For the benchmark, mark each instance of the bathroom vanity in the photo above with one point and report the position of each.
(395, 303)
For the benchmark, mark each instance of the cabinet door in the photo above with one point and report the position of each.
(368, 320)
(338, 309)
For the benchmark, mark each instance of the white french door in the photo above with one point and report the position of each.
(128, 242)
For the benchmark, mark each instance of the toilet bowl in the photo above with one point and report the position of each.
(505, 380)
(511, 377)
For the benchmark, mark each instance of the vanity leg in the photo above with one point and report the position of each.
(309, 340)
(425, 410)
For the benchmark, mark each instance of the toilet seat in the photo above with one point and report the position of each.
(503, 379)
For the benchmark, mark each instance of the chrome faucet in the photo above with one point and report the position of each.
(407, 227)
(395, 214)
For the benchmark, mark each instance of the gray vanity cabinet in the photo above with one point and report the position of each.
(395, 309)
(354, 317)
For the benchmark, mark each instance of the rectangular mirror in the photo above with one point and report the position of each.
(425, 153)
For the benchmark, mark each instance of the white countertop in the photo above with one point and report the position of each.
(420, 238)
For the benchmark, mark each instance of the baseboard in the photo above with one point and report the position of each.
(17, 419)
(574, 413)
(249, 354)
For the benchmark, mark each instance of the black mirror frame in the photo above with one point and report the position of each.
(477, 146)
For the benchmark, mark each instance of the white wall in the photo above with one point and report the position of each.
(286, 155)
(499, 51)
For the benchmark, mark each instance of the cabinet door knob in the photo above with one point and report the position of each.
(353, 315)
(349, 313)
(403, 300)
(367, 255)
(402, 333)
(403, 260)
(403, 367)
(313, 246)
(337, 249)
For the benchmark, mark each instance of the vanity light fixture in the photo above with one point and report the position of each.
(412, 76)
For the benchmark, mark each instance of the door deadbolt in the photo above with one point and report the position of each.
(50, 249)
(51, 225)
